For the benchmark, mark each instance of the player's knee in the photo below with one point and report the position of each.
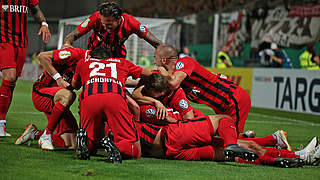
(9, 74)
(65, 97)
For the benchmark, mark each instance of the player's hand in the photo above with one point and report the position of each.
(163, 71)
(161, 110)
(62, 83)
(64, 46)
(46, 35)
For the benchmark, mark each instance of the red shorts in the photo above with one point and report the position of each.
(110, 108)
(240, 108)
(12, 57)
(189, 140)
(43, 101)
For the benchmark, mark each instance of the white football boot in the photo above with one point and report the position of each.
(282, 142)
(29, 134)
(313, 157)
(45, 142)
(3, 132)
(313, 144)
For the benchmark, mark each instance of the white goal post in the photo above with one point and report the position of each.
(164, 29)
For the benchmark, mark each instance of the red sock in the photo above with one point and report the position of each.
(57, 141)
(263, 141)
(6, 91)
(280, 153)
(54, 117)
(128, 149)
(227, 131)
(37, 136)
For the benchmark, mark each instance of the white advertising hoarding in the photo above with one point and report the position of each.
(285, 89)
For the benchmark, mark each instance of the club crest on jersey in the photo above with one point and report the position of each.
(179, 65)
(183, 104)
(64, 54)
(85, 23)
(143, 28)
(150, 113)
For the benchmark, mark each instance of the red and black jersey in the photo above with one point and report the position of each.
(178, 101)
(14, 21)
(64, 61)
(104, 75)
(202, 86)
(115, 40)
(147, 133)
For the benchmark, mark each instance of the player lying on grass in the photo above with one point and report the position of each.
(195, 139)
(154, 90)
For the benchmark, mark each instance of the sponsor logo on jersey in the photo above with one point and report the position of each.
(150, 113)
(64, 54)
(15, 8)
(143, 29)
(183, 104)
(85, 23)
(179, 65)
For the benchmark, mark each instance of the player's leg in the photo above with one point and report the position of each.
(121, 122)
(67, 131)
(11, 63)
(224, 126)
(91, 126)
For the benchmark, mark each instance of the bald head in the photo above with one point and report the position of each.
(167, 51)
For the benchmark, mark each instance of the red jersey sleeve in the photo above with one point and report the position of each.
(134, 70)
(33, 3)
(89, 24)
(136, 27)
(63, 56)
(185, 64)
(180, 102)
(76, 75)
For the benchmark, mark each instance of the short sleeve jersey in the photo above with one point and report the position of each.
(14, 21)
(202, 86)
(64, 61)
(178, 101)
(104, 75)
(115, 40)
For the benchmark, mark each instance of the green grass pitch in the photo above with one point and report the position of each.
(30, 162)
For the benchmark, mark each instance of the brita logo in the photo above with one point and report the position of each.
(15, 8)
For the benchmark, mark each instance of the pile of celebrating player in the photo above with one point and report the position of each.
(157, 120)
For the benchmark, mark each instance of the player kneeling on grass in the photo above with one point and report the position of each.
(195, 139)
(103, 100)
(51, 96)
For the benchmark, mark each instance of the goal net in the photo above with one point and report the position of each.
(138, 51)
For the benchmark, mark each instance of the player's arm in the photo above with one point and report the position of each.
(141, 99)
(153, 40)
(70, 38)
(39, 17)
(46, 59)
(276, 59)
(76, 82)
(134, 107)
(175, 79)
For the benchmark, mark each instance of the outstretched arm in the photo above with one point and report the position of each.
(44, 29)
(70, 38)
(153, 40)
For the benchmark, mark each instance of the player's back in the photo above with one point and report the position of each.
(105, 75)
